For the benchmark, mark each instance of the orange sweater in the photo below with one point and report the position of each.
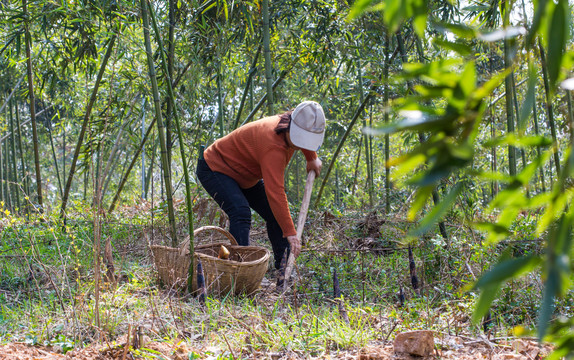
(254, 152)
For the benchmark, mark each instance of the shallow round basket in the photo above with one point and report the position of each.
(240, 274)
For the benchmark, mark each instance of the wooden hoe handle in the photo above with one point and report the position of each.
(300, 225)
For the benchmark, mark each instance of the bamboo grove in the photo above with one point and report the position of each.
(443, 106)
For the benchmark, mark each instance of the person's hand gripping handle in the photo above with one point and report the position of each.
(295, 242)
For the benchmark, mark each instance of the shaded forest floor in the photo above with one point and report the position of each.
(48, 301)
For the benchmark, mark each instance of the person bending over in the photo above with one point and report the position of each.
(245, 169)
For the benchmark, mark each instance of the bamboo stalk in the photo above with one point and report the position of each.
(32, 98)
(85, 125)
(536, 131)
(366, 138)
(188, 200)
(252, 71)
(160, 124)
(570, 116)
(22, 162)
(112, 159)
(264, 98)
(170, 61)
(2, 175)
(50, 131)
(267, 55)
(6, 184)
(342, 142)
(15, 189)
(11, 94)
(509, 102)
(386, 119)
(435, 195)
(518, 120)
(549, 108)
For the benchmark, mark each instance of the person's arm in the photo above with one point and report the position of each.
(313, 161)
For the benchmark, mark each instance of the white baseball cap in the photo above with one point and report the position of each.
(307, 128)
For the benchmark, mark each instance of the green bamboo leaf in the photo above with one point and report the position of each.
(507, 269)
(525, 176)
(359, 7)
(500, 231)
(468, 79)
(478, 8)
(460, 30)
(395, 11)
(421, 198)
(433, 217)
(486, 89)
(559, 32)
(554, 210)
(564, 243)
(529, 98)
(508, 196)
(486, 297)
(547, 306)
(540, 6)
(522, 142)
(459, 48)
(407, 164)
(419, 9)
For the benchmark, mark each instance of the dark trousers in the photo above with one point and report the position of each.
(237, 204)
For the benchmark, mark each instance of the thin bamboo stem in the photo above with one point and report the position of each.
(85, 122)
(550, 108)
(22, 162)
(342, 142)
(387, 136)
(15, 189)
(183, 155)
(252, 71)
(32, 98)
(160, 124)
(267, 55)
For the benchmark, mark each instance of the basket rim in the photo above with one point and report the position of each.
(265, 257)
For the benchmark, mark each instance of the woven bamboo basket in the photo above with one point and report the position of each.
(240, 274)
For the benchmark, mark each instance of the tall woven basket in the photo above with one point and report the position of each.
(240, 274)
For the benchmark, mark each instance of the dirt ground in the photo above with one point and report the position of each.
(446, 347)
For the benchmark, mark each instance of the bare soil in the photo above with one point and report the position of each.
(447, 347)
